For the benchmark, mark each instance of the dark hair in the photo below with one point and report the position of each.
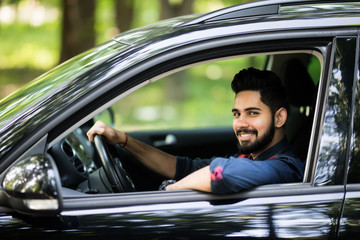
(272, 93)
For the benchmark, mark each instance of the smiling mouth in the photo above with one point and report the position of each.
(245, 134)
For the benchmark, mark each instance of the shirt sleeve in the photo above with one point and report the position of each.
(186, 165)
(230, 175)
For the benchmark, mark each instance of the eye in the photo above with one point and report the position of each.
(252, 113)
(236, 114)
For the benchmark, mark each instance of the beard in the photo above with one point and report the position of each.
(259, 144)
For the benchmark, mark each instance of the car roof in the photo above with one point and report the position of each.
(22, 116)
(277, 7)
(267, 15)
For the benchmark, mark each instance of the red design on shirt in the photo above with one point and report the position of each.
(217, 174)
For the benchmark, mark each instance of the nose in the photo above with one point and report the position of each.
(240, 123)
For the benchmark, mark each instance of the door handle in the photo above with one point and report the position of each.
(169, 139)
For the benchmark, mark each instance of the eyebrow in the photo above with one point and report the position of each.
(247, 109)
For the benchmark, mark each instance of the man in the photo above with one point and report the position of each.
(260, 113)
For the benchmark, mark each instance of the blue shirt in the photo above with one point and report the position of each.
(278, 164)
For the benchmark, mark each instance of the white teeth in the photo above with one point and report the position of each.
(245, 134)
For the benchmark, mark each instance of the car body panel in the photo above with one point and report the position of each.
(253, 215)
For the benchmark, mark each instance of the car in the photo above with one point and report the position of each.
(168, 85)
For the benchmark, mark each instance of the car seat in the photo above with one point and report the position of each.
(301, 92)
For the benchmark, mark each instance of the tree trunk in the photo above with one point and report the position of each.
(124, 10)
(173, 10)
(177, 80)
(78, 27)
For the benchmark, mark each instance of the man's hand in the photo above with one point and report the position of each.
(156, 160)
(113, 136)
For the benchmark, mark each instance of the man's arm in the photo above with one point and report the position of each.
(158, 161)
(198, 180)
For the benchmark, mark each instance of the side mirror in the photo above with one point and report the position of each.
(32, 186)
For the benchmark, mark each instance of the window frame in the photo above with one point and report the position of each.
(301, 188)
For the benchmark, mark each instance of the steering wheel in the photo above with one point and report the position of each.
(116, 174)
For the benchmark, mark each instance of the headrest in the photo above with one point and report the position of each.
(298, 83)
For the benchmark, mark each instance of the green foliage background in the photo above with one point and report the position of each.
(28, 50)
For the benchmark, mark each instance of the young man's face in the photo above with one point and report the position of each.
(253, 123)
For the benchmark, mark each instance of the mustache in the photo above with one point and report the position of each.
(239, 131)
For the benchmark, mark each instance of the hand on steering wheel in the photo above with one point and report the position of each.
(116, 174)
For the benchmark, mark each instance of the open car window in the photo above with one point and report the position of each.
(196, 97)
(188, 113)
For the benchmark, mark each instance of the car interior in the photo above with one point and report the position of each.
(186, 112)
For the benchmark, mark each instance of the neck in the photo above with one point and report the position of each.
(278, 136)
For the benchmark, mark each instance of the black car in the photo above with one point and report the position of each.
(54, 184)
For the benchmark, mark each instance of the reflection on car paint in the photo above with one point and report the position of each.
(335, 136)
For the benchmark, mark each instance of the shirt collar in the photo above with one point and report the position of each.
(281, 147)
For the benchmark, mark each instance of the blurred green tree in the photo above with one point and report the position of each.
(38, 34)
(124, 14)
(78, 27)
(170, 9)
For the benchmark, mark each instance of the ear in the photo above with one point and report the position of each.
(280, 117)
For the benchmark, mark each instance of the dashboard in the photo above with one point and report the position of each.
(75, 157)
